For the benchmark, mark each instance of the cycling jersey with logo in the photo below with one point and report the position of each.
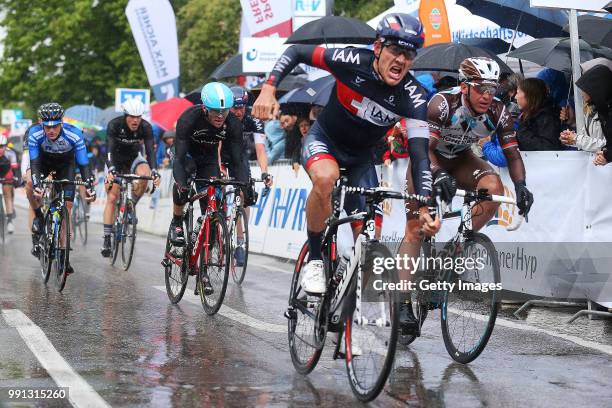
(456, 127)
(46, 154)
(362, 108)
(124, 145)
(199, 140)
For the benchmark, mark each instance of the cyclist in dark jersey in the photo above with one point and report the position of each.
(200, 131)
(126, 135)
(373, 91)
(461, 116)
(10, 172)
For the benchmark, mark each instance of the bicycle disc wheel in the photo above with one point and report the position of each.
(175, 273)
(469, 312)
(216, 267)
(301, 316)
(371, 344)
(240, 228)
(61, 258)
(45, 245)
(129, 235)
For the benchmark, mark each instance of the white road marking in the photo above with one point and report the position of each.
(288, 271)
(235, 315)
(603, 348)
(81, 394)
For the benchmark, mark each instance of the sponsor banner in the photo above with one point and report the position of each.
(154, 28)
(11, 115)
(260, 54)
(586, 5)
(434, 18)
(123, 94)
(19, 127)
(268, 17)
(309, 8)
(301, 20)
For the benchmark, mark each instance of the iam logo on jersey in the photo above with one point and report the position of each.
(506, 212)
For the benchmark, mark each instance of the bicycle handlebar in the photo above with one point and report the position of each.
(133, 177)
(64, 182)
(382, 193)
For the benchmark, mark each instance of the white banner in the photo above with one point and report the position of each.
(268, 17)
(260, 54)
(309, 8)
(123, 94)
(154, 29)
(585, 5)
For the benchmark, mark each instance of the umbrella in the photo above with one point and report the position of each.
(552, 53)
(594, 30)
(448, 56)
(316, 92)
(83, 113)
(333, 29)
(107, 115)
(232, 67)
(519, 16)
(494, 45)
(166, 113)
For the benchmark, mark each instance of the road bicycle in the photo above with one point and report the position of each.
(206, 252)
(54, 239)
(364, 316)
(125, 225)
(469, 307)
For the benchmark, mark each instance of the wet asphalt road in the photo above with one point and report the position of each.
(119, 333)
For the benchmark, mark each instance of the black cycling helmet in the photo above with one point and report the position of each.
(241, 96)
(51, 114)
(401, 29)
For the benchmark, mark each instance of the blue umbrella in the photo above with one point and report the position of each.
(519, 16)
(84, 113)
(316, 92)
(107, 115)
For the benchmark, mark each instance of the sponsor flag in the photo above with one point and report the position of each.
(268, 18)
(154, 28)
(434, 17)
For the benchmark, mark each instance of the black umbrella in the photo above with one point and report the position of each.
(518, 15)
(448, 56)
(594, 30)
(316, 92)
(494, 45)
(553, 53)
(232, 67)
(333, 29)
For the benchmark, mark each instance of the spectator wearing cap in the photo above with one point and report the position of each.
(165, 150)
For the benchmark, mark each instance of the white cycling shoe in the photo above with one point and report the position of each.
(10, 227)
(313, 281)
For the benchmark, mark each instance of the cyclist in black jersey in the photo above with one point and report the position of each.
(126, 136)
(202, 131)
(373, 91)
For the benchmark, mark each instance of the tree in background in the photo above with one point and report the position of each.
(361, 9)
(67, 51)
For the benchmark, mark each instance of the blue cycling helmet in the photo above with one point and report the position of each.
(401, 29)
(241, 96)
(216, 95)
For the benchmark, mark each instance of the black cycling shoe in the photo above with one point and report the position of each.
(37, 224)
(177, 236)
(409, 325)
(69, 269)
(208, 289)
(106, 247)
(35, 248)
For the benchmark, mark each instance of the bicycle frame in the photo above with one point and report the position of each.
(200, 242)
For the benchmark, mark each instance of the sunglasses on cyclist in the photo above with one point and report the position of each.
(221, 113)
(484, 88)
(397, 50)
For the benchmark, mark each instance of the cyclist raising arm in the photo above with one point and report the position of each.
(373, 91)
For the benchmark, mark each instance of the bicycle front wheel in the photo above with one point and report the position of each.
(371, 328)
(470, 309)
(129, 235)
(46, 247)
(61, 257)
(240, 246)
(175, 272)
(215, 265)
(116, 236)
(301, 317)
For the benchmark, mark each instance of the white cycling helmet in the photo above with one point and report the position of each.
(480, 69)
(133, 107)
(3, 140)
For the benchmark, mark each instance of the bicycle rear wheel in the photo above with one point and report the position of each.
(216, 265)
(469, 313)
(175, 272)
(46, 245)
(129, 235)
(61, 257)
(301, 317)
(240, 227)
(371, 344)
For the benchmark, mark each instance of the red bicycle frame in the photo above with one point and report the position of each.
(203, 234)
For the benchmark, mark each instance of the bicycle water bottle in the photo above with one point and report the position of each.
(196, 229)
